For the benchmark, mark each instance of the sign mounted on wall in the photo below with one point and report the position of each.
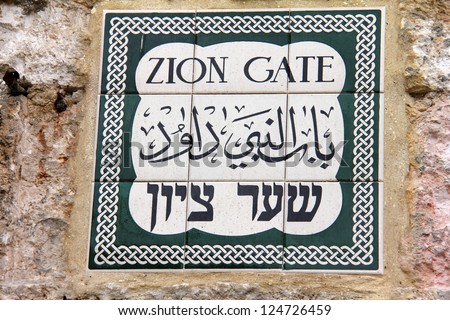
(240, 140)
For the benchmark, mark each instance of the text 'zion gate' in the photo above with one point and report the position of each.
(204, 194)
(307, 66)
(175, 69)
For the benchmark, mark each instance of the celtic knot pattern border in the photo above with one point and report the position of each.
(360, 253)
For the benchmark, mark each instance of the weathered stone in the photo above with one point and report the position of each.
(425, 32)
(43, 46)
(28, 6)
(39, 195)
(429, 190)
(16, 85)
(87, 3)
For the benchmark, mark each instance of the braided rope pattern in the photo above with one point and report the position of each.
(361, 251)
(245, 24)
(112, 139)
(151, 255)
(363, 133)
(237, 254)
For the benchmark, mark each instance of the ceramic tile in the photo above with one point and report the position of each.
(237, 60)
(241, 67)
(156, 132)
(240, 140)
(321, 144)
(336, 51)
(238, 137)
(315, 137)
(152, 143)
(315, 67)
(138, 225)
(161, 138)
(235, 225)
(142, 56)
(333, 226)
(167, 68)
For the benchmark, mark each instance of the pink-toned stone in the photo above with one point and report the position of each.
(429, 240)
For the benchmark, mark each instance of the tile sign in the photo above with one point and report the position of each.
(240, 140)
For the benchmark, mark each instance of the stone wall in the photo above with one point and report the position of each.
(46, 43)
(46, 146)
(426, 38)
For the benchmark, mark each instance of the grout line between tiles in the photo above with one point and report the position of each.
(285, 146)
(188, 191)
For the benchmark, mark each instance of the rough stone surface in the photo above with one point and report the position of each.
(36, 192)
(426, 29)
(28, 6)
(46, 154)
(429, 187)
(47, 46)
(426, 36)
